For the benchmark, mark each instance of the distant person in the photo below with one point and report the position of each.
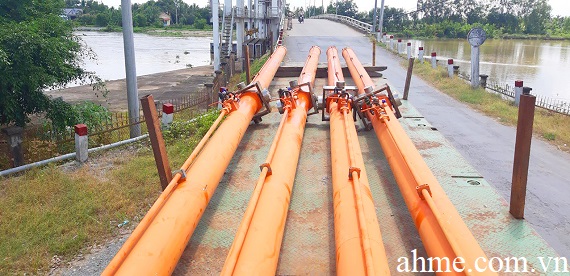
(301, 18)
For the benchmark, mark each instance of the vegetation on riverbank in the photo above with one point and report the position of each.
(51, 214)
(551, 126)
(153, 14)
(523, 19)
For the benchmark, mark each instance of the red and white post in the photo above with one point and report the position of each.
(433, 60)
(392, 42)
(450, 67)
(409, 45)
(81, 143)
(400, 46)
(167, 114)
(421, 54)
(518, 91)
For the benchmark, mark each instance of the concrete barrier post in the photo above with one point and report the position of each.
(384, 37)
(433, 60)
(450, 67)
(14, 134)
(81, 143)
(518, 91)
(400, 46)
(391, 42)
(409, 45)
(167, 114)
(421, 54)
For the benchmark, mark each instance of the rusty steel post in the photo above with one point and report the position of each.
(156, 244)
(441, 229)
(358, 239)
(408, 78)
(247, 64)
(373, 53)
(256, 252)
(156, 140)
(522, 154)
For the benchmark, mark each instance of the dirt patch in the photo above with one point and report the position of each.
(163, 86)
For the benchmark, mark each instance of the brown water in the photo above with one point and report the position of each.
(153, 54)
(542, 65)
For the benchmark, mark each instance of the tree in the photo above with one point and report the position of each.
(37, 51)
(346, 8)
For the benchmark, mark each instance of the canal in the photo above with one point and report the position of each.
(543, 65)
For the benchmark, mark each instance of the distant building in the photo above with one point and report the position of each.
(165, 19)
(71, 14)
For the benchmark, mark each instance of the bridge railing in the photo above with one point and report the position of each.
(359, 25)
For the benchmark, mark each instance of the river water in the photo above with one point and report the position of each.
(153, 54)
(542, 65)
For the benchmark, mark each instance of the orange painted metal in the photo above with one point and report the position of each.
(359, 247)
(255, 250)
(157, 243)
(441, 229)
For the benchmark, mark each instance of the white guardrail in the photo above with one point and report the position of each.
(359, 25)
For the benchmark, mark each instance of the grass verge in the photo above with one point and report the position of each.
(551, 126)
(53, 211)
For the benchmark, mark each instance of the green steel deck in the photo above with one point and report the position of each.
(308, 244)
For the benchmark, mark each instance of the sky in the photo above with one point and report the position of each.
(559, 7)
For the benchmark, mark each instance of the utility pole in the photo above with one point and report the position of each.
(130, 68)
(216, 21)
(374, 16)
(380, 21)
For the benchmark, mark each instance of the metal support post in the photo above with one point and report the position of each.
(373, 53)
(522, 153)
(408, 78)
(247, 65)
(156, 140)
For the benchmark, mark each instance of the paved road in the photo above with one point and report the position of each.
(484, 142)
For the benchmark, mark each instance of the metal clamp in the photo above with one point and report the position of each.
(331, 93)
(420, 188)
(268, 166)
(351, 170)
(181, 172)
(263, 94)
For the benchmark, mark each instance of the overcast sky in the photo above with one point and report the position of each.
(559, 7)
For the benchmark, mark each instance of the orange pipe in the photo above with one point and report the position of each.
(162, 235)
(443, 232)
(257, 252)
(359, 247)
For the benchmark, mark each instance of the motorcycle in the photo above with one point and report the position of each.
(301, 19)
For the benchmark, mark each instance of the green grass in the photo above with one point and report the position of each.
(553, 127)
(46, 211)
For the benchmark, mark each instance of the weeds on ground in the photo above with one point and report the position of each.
(47, 212)
(549, 125)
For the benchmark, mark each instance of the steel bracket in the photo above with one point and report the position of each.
(351, 170)
(263, 95)
(422, 187)
(268, 166)
(181, 172)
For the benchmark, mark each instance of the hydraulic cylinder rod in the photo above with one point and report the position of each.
(255, 249)
(159, 240)
(359, 247)
(441, 229)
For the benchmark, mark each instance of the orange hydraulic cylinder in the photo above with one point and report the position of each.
(163, 240)
(255, 250)
(350, 249)
(442, 231)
